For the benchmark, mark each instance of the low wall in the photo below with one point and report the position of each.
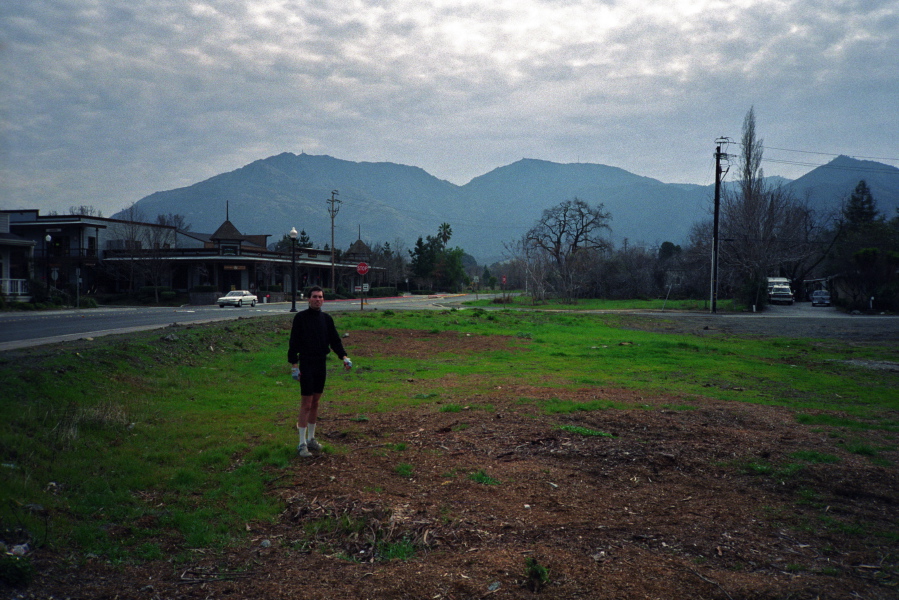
(274, 296)
(199, 298)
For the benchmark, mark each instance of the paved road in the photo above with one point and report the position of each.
(21, 330)
(25, 329)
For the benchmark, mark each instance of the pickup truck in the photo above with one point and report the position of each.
(780, 294)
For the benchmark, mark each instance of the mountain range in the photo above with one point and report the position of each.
(388, 202)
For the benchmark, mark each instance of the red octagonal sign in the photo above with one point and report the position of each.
(362, 268)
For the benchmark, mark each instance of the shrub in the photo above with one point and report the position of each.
(16, 570)
(149, 291)
(382, 292)
(537, 574)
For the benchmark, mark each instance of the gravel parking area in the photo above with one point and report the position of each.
(800, 321)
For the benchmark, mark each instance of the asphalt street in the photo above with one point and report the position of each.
(26, 329)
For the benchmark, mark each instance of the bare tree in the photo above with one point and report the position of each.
(156, 259)
(125, 242)
(565, 234)
(531, 266)
(142, 250)
(398, 269)
(766, 230)
(85, 210)
(697, 261)
(173, 220)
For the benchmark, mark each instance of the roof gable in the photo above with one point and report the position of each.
(359, 248)
(227, 231)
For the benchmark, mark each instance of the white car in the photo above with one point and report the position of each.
(237, 298)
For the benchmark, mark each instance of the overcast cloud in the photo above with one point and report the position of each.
(103, 102)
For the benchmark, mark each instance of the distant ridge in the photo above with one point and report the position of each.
(393, 202)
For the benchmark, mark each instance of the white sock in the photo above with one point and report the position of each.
(302, 431)
(311, 431)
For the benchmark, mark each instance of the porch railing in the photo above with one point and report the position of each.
(14, 287)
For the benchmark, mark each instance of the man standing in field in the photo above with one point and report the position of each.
(312, 337)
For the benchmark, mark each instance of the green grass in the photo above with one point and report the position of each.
(404, 470)
(483, 478)
(133, 442)
(402, 549)
(346, 534)
(585, 431)
(815, 457)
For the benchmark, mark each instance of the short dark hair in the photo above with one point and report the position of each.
(316, 288)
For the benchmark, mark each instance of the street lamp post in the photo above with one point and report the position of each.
(47, 239)
(293, 261)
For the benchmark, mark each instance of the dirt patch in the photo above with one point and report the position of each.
(663, 501)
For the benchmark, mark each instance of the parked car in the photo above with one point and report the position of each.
(780, 294)
(820, 298)
(237, 298)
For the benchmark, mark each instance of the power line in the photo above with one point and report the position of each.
(831, 154)
(829, 166)
(504, 225)
(798, 163)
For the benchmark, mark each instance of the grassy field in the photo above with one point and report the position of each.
(112, 446)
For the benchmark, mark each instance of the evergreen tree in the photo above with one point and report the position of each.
(423, 260)
(668, 250)
(450, 270)
(860, 209)
(866, 254)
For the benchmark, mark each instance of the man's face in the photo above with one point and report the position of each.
(316, 299)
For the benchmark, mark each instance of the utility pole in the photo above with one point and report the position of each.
(718, 176)
(333, 209)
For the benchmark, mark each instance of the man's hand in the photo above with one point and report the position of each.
(295, 373)
(347, 363)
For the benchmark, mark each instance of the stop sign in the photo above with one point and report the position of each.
(362, 268)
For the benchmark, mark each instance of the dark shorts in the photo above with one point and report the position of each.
(312, 376)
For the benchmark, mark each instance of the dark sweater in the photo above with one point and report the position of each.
(313, 335)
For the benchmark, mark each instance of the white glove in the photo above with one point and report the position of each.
(295, 373)
(347, 363)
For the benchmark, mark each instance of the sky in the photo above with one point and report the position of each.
(103, 102)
